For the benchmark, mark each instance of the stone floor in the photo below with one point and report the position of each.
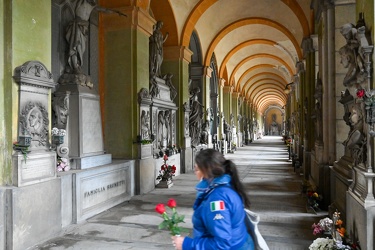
(273, 186)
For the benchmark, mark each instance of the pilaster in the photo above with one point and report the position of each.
(124, 64)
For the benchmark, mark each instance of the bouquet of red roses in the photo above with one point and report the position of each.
(170, 221)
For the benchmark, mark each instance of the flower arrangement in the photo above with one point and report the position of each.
(170, 221)
(58, 132)
(62, 164)
(313, 199)
(336, 237)
(166, 171)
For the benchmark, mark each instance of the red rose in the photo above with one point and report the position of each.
(172, 203)
(165, 157)
(174, 167)
(160, 208)
(360, 93)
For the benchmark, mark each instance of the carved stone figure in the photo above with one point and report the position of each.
(274, 126)
(195, 117)
(34, 122)
(156, 42)
(205, 132)
(168, 82)
(167, 131)
(154, 89)
(161, 128)
(348, 61)
(60, 108)
(77, 31)
(356, 139)
(145, 124)
(318, 110)
(228, 132)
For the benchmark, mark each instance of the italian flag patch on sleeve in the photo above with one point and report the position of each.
(217, 206)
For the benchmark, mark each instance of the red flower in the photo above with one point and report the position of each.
(165, 157)
(172, 203)
(170, 220)
(160, 208)
(360, 93)
(174, 168)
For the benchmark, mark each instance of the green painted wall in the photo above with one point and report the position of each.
(126, 72)
(25, 35)
(367, 7)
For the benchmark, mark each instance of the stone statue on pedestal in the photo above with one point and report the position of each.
(76, 36)
(156, 49)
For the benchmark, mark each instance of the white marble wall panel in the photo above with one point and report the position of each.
(100, 188)
(37, 167)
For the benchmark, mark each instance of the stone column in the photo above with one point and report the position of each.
(207, 100)
(227, 109)
(341, 178)
(236, 111)
(176, 61)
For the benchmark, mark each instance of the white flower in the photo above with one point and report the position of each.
(326, 224)
(55, 131)
(322, 244)
(62, 132)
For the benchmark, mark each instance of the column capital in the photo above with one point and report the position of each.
(315, 41)
(177, 52)
(207, 70)
(222, 82)
(307, 46)
(236, 94)
(228, 89)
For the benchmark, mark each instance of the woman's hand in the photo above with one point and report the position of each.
(177, 242)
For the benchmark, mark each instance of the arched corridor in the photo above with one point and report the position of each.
(273, 186)
(95, 93)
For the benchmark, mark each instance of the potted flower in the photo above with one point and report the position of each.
(166, 173)
(62, 164)
(58, 136)
(334, 235)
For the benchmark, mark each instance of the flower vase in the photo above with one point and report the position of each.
(57, 139)
(165, 184)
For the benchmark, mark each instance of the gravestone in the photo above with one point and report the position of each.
(33, 162)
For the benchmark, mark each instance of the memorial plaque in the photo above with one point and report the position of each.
(36, 168)
(101, 188)
(92, 139)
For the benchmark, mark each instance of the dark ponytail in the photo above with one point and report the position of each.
(231, 169)
(213, 164)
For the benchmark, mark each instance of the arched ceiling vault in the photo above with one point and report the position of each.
(256, 43)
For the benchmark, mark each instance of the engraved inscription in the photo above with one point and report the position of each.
(100, 188)
(37, 168)
(92, 131)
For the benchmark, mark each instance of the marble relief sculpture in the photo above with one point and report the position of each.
(168, 82)
(61, 112)
(34, 122)
(356, 141)
(145, 125)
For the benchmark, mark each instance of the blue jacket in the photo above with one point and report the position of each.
(218, 217)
